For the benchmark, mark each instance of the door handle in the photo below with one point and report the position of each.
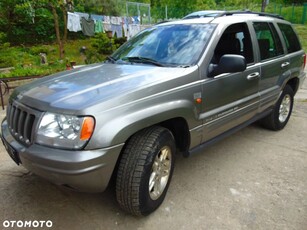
(253, 76)
(285, 64)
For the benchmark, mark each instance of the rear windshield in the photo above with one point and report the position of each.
(170, 45)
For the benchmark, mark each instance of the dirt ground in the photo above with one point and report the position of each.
(254, 179)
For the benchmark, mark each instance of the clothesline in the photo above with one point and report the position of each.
(90, 24)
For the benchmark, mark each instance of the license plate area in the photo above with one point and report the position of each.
(11, 151)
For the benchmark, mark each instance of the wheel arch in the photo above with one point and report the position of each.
(176, 116)
(293, 83)
(180, 130)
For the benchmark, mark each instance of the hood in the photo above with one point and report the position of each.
(89, 85)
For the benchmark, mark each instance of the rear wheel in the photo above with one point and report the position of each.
(280, 116)
(145, 170)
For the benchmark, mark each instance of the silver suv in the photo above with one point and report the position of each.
(173, 89)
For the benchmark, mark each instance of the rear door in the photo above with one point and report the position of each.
(294, 51)
(274, 63)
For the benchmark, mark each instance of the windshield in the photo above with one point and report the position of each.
(169, 45)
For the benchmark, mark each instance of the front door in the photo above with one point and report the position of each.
(231, 99)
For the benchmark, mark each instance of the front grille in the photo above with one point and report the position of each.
(22, 122)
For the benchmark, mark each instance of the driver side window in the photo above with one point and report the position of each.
(235, 40)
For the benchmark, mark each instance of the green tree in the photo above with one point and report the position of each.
(206, 4)
(105, 7)
(16, 18)
(158, 8)
(175, 8)
(54, 6)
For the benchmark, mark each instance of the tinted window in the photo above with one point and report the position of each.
(235, 40)
(268, 40)
(290, 37)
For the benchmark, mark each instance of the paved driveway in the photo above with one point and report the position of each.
(254, 179)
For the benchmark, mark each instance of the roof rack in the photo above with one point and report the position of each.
(228, 13)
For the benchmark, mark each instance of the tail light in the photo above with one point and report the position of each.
(304, 61)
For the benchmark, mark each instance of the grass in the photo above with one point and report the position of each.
(27, 61)
(302, 32)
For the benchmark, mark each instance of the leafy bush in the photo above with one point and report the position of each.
(103, 44)
(3, 38)
(22, 72)
(302, 32)
(93, 57)
(119, 41)
(36, 50)
(7, 61)
(33, 71)
(44, 25)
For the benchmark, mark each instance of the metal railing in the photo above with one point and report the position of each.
(6, 86)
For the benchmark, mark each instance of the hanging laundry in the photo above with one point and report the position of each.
(96, 17)
(118, 30)
(116, 20)
(130, 20)
(116, 27)
(136, 19)
(98, 27)
(106, 23)
(133, 29)
(88, 27)
(73, 22)
(91, 24)
(125, 28)
(125, 21)
(83, 15)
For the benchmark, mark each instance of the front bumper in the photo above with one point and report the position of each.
(84, 170)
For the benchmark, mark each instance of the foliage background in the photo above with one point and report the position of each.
(31, 21)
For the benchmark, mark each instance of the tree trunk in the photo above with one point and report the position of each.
(263, 5)
(57, 31)
(65, 23)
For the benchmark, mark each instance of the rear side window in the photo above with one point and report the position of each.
(268, 40)
(290, 37)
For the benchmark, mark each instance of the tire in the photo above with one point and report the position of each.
(281, 113)
(140, 184)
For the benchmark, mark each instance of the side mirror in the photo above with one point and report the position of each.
(229, 63)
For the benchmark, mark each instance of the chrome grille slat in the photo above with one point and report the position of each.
(29, 128)
(21, 121)
(11, 116)
(20, 126)
(15, 120)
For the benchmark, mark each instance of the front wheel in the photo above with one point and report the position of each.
(145, 170)
(280, 116)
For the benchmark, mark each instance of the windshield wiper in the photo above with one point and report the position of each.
(111, 59)
(143, 60)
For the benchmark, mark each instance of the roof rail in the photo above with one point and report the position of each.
(228, 13)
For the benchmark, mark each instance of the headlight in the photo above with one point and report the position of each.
(65, 131)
